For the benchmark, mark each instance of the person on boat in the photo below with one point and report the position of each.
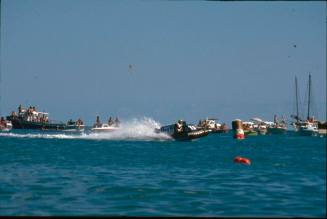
(20, 108)
(3, 122)
(78, 122)
(117, 122)
(70, 122)
(13, 114)
(110, 122)
(179, 126)
(97, 122)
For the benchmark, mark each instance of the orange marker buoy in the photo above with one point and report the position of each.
(242, 160)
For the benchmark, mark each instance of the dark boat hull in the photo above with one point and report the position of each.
(219, 131)
(18, 123)
(183, 135)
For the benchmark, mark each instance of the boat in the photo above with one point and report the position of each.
(212, 125)
(259, 126)
(276, 127)
(310, 125)
(104, 127)
(308, 128)
(182, 131)
(5, 125)
(72, 126)
(248, 128)
(322, 127)
(32, 119)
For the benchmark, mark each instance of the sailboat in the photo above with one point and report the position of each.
(310, 125)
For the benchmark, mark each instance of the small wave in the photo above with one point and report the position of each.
(135, 129)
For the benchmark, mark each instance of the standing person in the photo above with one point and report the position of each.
(117, 122)
(110, 122)
(97, 122)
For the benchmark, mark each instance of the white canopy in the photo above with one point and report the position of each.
(256, 119)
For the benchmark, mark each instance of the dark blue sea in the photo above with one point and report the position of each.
(137, 174)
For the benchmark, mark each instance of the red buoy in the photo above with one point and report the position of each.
(242, 160)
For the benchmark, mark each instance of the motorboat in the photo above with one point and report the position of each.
(213, 126)
(32, 119)
(249, 128)
(72, 126)
(5, 125)
(182, 131)
(276, 127)
(104, 128)
(259, 126)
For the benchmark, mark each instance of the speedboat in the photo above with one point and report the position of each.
(182, 131)
(104, 128)
(72, 126)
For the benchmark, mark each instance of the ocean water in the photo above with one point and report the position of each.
(139, 173)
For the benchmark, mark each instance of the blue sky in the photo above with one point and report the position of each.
(190, 59)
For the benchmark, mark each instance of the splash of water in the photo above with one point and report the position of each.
(135, 129)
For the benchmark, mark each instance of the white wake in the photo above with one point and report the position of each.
(135, 129)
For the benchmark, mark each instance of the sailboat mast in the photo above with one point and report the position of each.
(308, 117)
(297, 100)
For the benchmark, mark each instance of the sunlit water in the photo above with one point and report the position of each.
(140, 173)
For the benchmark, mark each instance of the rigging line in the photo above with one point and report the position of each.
(309, 97)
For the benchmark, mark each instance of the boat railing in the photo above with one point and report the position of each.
(56, 122)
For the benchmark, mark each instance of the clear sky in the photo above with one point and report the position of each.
(190, 59)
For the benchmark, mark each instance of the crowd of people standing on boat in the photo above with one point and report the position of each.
(111, 122)
(31, 114)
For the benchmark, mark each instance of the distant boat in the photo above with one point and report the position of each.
(5, 125)
(310, 125)
(322, 127)
(212, 126)
(183, 131)
(276, 127)
(32, 119)
(72, 126)
(259, 126)
(248, 128)
(104, 127)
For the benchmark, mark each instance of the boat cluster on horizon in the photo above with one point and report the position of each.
(30, 118)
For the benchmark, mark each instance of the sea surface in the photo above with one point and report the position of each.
(139, 173)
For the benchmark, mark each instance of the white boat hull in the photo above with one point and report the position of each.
(105, 129)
